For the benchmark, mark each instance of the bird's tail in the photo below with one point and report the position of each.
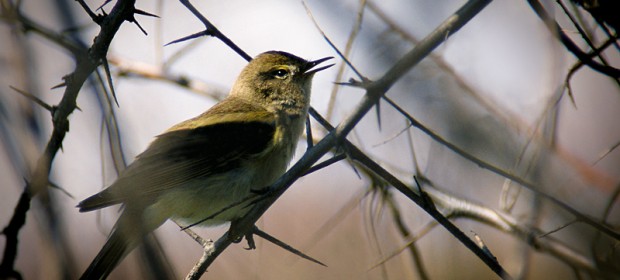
(128, 232)
(114, 250)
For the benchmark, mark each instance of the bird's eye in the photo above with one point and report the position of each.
(279, 73)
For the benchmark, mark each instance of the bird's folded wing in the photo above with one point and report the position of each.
(207, 145)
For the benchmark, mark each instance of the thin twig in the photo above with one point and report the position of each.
(406, 233)
(606, 152)
(213, 31)
(359, 156)
(130, 68)
(326, 163)
(340, 54)
(555, 29)
(347, 51)
(585, 37)
(506, 174)
(411, 239)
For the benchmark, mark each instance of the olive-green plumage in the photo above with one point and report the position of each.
(207, 163)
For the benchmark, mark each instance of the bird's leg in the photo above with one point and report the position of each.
(249, 237)
(236, 237)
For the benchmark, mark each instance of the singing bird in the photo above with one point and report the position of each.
(204, 164)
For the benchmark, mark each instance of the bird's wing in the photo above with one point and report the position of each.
(217, 141)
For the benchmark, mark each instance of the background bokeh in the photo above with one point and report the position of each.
(493, 89)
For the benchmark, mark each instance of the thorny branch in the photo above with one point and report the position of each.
(374, 91)
(87, 61)
(569, 44)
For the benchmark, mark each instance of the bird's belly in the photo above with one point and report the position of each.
(199, 199)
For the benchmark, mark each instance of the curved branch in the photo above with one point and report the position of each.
(569, 44)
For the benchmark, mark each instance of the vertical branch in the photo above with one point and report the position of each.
(347, 50)
(11, 231)
(86, 63)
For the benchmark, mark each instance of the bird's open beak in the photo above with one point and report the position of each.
(309, 71)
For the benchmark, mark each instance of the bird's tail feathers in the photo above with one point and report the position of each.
(128, 232)
(114, 250)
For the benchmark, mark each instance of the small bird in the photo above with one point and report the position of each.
(202, 165)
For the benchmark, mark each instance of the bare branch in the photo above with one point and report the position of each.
(211, 30)
(569, 44)
(87, 62)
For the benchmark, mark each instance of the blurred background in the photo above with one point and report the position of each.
(497, 89)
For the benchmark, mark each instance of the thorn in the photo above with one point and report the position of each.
(352, 83)
(63, 84)
(106, 68)
(571, 96)
(104, 3)
(348, 84)
(326, 163)
(284, 246)
(251, 199)
(141, 12)
(195, 35)
(55, 186)
(98, 19)
(132, 19)
(140, 26)
(35, 99)
(348, 154)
